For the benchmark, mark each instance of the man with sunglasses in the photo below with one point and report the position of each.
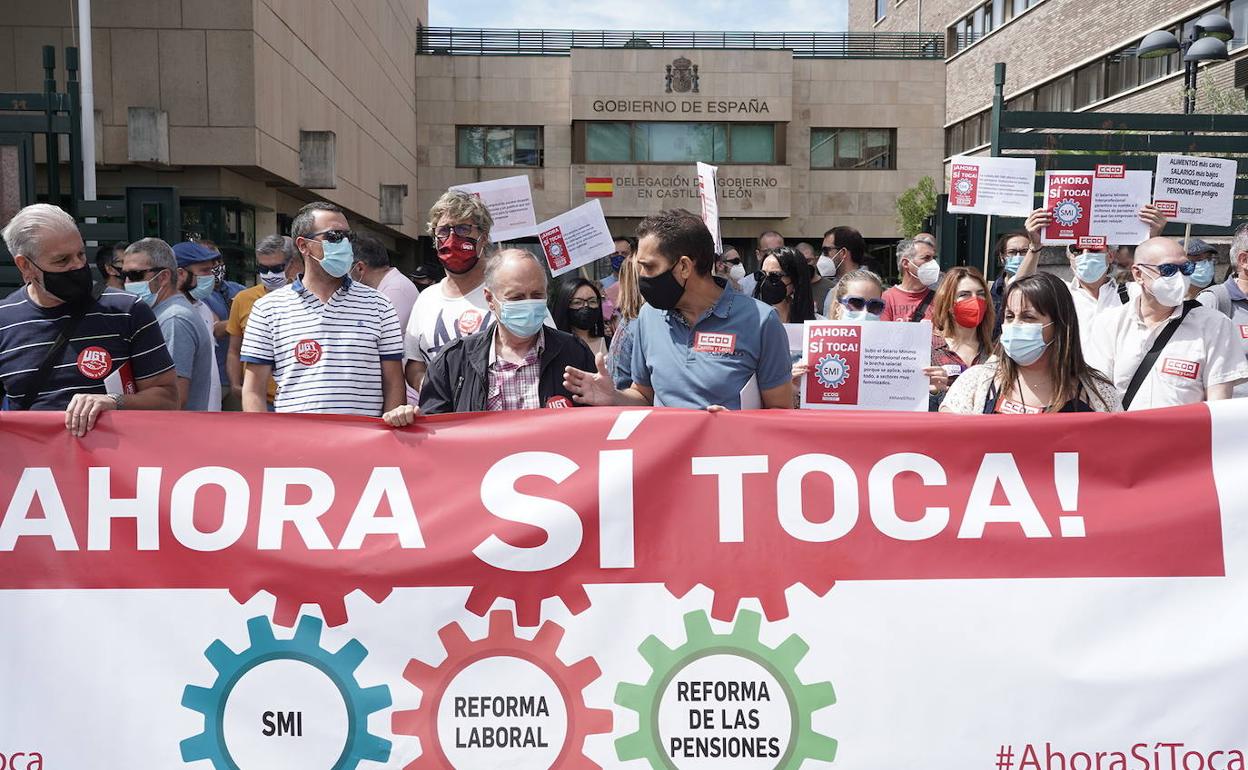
(61, 337)
(108, 262)
(277, 265)
(333, 344)
(1160, 350)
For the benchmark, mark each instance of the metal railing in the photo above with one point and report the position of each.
(460, 41)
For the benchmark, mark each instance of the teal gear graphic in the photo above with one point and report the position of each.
(701, 640)
(304, 647)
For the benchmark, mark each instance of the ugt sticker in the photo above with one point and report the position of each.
(307, 352)
(965, 184)
(555, 249)
(469, 322)
(1181, 368)
(558, 402)
(95, 363)
(714, 342)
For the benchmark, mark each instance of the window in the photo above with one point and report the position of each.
(1238, 16)
(655, 142)
(499, 146)
(1089, 84)
(853, 148)
(953, 140)
(1122, 73)
(881, 9)
(1057, 96)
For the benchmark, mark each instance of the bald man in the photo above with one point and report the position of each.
(1200, 361)
(515, 363)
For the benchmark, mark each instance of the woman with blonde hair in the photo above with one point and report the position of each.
(628, 306)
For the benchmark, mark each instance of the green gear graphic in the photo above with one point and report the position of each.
(701, 640)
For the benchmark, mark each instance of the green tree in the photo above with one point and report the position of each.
(914, 205)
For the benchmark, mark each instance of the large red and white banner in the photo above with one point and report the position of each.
(626, 588)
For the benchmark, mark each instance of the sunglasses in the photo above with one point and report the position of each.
(761, 276)
(828, 251)
(856, 304)
(332, 236)
(734, 261)
(463, 231)
(134, 276)
(1169, 269)
(271, 269)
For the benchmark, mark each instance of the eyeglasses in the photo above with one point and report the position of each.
(134, 276)
(271, 269)
(1169, 269)
(828, 251)
(858, 303)
(579, 304)
(463, 231)
(332, 236)
(1016, 252)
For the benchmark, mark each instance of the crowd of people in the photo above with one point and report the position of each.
(330, 326)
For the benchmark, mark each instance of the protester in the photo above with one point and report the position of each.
(372, 268)
(516, 362)
(620, 353)
(858, 296)
(1161, 351)
(729, 267)
(153, 275)
(277, 265)
(334, 345)
(1231, 298)
(783, 284)
(577, 310)
(697, 343)
(196, 281)
(819, 284)
(61, 337)
(844, 251)
(767, 240)
(108, 262)
(962, 323)
(424, 276)
(911, 300)
(1018, 255)
(1038, 366)
(1204, 258)
(219, 302)
(623, 250)
(1094, 290)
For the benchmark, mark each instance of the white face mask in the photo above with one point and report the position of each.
(736, 271)
(928, 273)
(1170, 291)
(826, 266)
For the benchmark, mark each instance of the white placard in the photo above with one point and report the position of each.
(575, 238)
(510, 203)
(1001, 186)
(871, 365)
(1199, 191)
(710, 202)
(1103, 204)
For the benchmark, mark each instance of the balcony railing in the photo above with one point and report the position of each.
(460, 41)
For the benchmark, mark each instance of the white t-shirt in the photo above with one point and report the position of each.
(438, 319)
(1087, 307)
(214, 385)
(1204, 351)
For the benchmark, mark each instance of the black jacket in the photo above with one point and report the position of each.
(458, 379)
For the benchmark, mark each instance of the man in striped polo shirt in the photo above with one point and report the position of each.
(334, 345)
(111, 334)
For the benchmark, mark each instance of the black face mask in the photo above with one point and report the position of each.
(661, 292)
(585, 317)
(772, 290)
(71, 287)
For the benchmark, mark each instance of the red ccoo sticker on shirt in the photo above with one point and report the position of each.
(469, 322)
(1181, 368)
(95, 362)
(715, 342)
(1169, 208)
(308, 352)
(556, 250)
(1243, 331)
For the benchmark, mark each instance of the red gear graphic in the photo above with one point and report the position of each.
(724, 604)
(330, 598)
(501, 640)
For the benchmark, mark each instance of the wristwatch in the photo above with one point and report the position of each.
(118, 399)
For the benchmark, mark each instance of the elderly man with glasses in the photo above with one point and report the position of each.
(333, 345)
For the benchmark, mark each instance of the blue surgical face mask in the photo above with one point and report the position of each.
(522, 317)
(1012, 264)
(1023, 343)
(858, 315)
(204, 285)
(1090, 266)
(142, 290)
(1202, 276)
(338, 257)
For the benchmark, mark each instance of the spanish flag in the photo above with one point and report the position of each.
(599, 187)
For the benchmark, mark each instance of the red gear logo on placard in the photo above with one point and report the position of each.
(307, 352)
(95, 362)
(501, 641)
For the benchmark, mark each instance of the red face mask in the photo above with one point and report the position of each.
(970, 311)
(458, 255)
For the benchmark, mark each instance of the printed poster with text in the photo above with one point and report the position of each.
(575, 238)
(710, 202)
(510, 203)
(866, 365)
(1000, 186)
(1105, 202)
(1199, 191)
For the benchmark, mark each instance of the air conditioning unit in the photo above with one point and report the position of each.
(1241, 73)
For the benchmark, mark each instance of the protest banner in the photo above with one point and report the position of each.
(575, 238)
(866, 365)
(625, 588)
(1105, 202)
(710, 202)
(1199, 191)
(1001, 186)
(510, 203)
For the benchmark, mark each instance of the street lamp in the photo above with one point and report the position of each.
(1206, 42)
